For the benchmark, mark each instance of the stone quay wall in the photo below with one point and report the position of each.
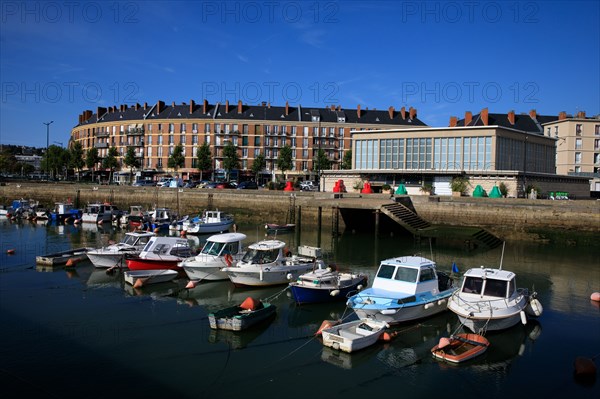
(509, 218)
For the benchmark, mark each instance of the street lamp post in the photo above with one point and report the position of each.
(47, 141)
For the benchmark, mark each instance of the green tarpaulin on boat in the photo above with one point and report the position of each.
(479, 191)
(495, 193)
(401, 190)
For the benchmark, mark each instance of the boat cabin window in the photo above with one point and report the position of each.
(386, 271)
(426, 274)
(472, 285)
(161, 249)
(406, 274)
(181, 251)
(261, 256)
(495, 288)
(512, 286)
(232, 248)
(131, 240)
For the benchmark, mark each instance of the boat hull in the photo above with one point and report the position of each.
(62, 258)
(235, 319)
(153, 264)
(258, 277)
(353, 336)
(390, 311)
(307, 294)
(460, 348)
(208, 228)
(145, 277)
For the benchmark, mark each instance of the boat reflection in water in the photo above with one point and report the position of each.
(215, 295)
(100, 278)
(239, 339)
(157, 291)
(348, 361)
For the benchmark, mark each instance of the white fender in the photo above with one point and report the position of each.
(388, 311)
(523, 317)
(334, 293)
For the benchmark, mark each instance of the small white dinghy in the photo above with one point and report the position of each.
(354, 335)
(139, 278)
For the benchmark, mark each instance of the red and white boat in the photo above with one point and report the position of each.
(161, 253)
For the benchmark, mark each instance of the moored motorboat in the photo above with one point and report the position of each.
(405, 288)
(161, 253)
(280, 228)
(489, 300)
(459, 348)
(326, 285)
(242, 316)
(209, 222)
(116, 254)
(353, 335)
(219, 251)
(100, 213)
(269, 262)
(139, 278)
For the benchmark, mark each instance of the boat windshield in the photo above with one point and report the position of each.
(406, 274)
(472, 285)
(261, 256)
(212, 248)
(495, 288)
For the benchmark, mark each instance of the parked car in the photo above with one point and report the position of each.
(225, 184)
(143, 183)
(164, 182)
(308, 186)
(247, 185)
(203, 183)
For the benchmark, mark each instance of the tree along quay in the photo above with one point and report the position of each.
(562, 222)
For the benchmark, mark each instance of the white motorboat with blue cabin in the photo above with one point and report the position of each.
(405, 288)
(209, 222)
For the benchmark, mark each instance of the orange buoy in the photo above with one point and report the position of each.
(138, 283)
(191, 284)
(71, 262)
(584, 368)
(326, 324)
(595, 296)
(444, 341)
(10, 251)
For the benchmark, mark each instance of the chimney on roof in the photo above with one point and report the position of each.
(269, 104)
(562, 115)
(173, 104)
(468, 117)
(412, 112)
(287, 108)
(192, 105)
(511, 117)
(581, 114)
(87, 114)
(453, 121)
(403, 113)
(100, 111)
(145, 106)
(358, 111)
(391, 112)
(204, 106)
(484, 116)
(80, 118)
(533, 114)
(137, 106)
(240, 109)
(226, 106)
(124, 107)
(160, 105)
(332, 107)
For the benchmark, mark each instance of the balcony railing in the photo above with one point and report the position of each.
(135, 131)
(101, 145)
(102, 134)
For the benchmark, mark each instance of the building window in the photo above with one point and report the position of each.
(207, 128)
(597, 130)
(577, 169)
(577, 157)
(578, 129)
(256, 152)
(194, 128)
(245, 140)
(245, 129)
(578, 144)
(182, 128)
(244, 152)
(217, 128)
(596, 159)
(256, 141)
(160, 127)
(195, 139)
(171, 127)
(596, 144)
(294, 130)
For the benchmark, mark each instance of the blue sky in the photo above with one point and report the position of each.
(58, 59)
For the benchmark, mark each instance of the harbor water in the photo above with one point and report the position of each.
(82, 333)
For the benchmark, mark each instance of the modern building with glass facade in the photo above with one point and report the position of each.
(486, 148)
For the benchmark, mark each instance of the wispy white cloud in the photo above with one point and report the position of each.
(313, 37)
(242, 58)
(169, 69)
